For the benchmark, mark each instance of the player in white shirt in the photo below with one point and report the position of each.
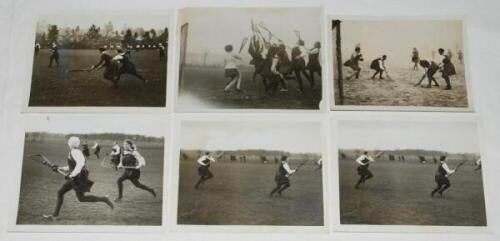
(97, 149)
(231, 61)
(378, 65)
(441, 177)
(77, 179)
(203, 169)
(281, 177)
(132, 162)
(363, 162)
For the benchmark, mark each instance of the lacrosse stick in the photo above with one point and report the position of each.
(80, 70)
(243, 43)
(46, 162)
(461, 164)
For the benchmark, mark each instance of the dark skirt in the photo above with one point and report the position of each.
(314, 66)
(449, 69)
(111, 71)
(363, 170)
(231, 73)
(203, 171)
(281, 179)
(81, 182)
(130, 173)
(441, 179)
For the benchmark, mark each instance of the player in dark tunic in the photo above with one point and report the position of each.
(37, 48)
(379, 66)
(97, 149)
(281, 177)
(430, 69)
(446, 67)
(353, 63)
(54, 55)
(363, 163)
(110, 68)
(314, 65)
(77, 179)
(85, 150)
(203, 169)
(441, 177)
(299, 64)
(127, 67)
(415, 58)
(116, 153)
(161, 51)
(131, 161)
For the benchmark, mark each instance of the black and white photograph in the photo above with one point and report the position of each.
(410, 172)
(404, 64)
(100, 61)
(250, 58)
(236, 173)
(77, 173)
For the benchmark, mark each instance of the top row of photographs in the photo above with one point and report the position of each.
(227, 59)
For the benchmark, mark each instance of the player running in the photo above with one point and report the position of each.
(441, 177)
(131, 161)
(363, 162)
(54, 56)
(77, 179)
(203, 169)
(115, 154)
(97, 149)
(281, 178)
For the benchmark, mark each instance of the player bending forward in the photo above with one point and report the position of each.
(203, 169)
(281, 178)
(131, 161)
(77, 179)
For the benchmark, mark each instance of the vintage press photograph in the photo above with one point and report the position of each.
(103, 60)
(409, 64)
(75, 173)
(425, 173)
(252, 58)
(236, 173)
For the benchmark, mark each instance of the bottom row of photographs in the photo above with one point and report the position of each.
(242, 171)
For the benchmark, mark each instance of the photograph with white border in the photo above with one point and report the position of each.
(260, 59)
(399, 64)
(91, 173)
(423, 174)
(233, 175)
(99, 61)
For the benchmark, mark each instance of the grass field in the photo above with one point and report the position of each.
(399, 89)
(39, 186)
(399, 194)
(239, 195)
(54, 87)
(204, 86)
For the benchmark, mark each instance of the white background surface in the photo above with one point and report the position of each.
(483, 39)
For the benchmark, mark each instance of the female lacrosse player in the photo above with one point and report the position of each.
(77, 179)
(131, 161)
(281, 177)
(203, 169)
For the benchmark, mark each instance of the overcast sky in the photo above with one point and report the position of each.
(120, 21)
(458, 137)
(396, 38)
(149, 126)
(228, 135)
(213, 28)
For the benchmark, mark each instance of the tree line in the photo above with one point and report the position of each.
(96, 37)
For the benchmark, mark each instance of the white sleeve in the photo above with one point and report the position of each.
(360, 158)
(95, 146)
(114, 151)
(447, 169)
(370, 158)
(141, 161)
(80, 162)
(381, 64)
(303, 52)
(314, 51)
(200, 160)
(211, 158)
(288, 169)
